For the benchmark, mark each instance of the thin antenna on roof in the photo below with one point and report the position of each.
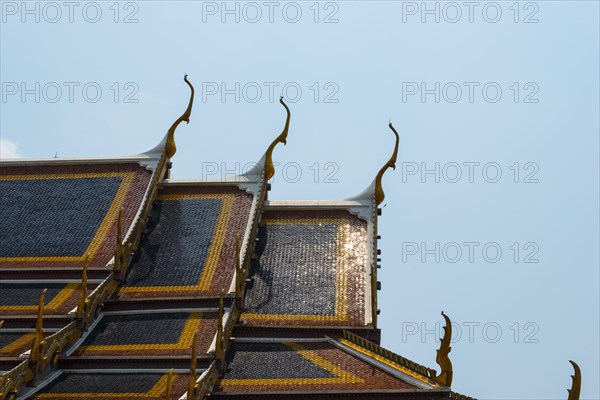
(56, 154)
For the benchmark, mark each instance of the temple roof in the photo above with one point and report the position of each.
(119, 282)
(178, 269)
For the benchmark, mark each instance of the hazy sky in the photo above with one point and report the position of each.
(492, 213)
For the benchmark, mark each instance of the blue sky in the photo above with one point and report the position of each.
(492, 213)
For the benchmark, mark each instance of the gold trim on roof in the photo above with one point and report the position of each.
(387, 357)
(127, 179)
(340, 375)
(210, 264)
(282, 138)
(379, 194)
(183, 342)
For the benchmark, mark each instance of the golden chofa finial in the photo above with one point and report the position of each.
(170, 146)
(442, 359)
(576, 385)
(282, 138)
(379, 195)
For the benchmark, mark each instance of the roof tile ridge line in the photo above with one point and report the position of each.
(225, 316)
(132, 238)
(251, 232)
(256, 211)
(226, 336)
(70, 349)
(401, 363)
(219, 346)
(159, 173)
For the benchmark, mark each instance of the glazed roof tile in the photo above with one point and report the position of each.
(189, 248)
(301, 367)
(109, 386)
(52, 214)
(150, 334)
(309, 269)
(23, 298)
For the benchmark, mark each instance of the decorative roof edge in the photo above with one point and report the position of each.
(147, 160)
(359, 208)
(250, 181)
(419, 375)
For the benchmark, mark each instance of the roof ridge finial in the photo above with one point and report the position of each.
(379, 195)
(170, 145)
(442, 359)
(84, 292)
(39, 329)
(576, 385)
(282, 138)
(169, 391)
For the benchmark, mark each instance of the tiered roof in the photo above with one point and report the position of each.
(119, 282)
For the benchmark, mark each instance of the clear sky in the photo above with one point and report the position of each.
(492, 213)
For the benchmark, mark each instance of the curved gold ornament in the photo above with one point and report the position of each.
(219, 340)
(39, 333)
(282, 138)
(84, 291)
(169, 391)
(576, 385)
(442, 359)
(170, 147)
(379, 194)
(119, 251)
(238, 268)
